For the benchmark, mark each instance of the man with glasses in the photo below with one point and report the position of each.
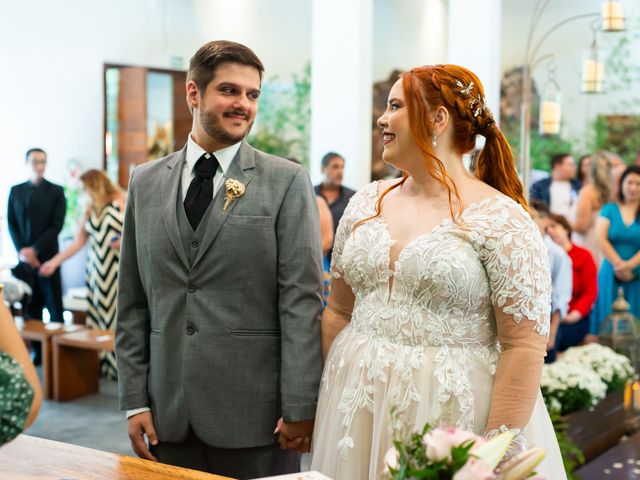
(36, 214)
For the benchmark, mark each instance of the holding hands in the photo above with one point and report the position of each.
(295, 435)
(624, 271)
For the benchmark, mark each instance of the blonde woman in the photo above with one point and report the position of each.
(101, 225)
(591, 198)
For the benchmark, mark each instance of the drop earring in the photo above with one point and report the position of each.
(434, 140)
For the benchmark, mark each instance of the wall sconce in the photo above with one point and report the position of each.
(612, 16)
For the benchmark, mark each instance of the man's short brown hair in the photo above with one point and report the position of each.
(211, 55)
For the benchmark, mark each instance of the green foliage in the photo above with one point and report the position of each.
(571, 399)
(284, 118)
(72, 195)
(543, 147)
(572, 456)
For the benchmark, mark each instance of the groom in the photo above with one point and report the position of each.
(219, 294)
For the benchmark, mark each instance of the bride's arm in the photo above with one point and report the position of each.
(517, 264)
(337, 314)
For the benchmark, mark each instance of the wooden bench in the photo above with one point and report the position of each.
(36, 331)
(621, 462)
(76, 362)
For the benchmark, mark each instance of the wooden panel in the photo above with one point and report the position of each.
(99, 340)
(35, 458)
(132, 120)
(76, 372)
(620, 463)
(182, 118)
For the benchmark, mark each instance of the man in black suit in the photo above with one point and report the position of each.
(36, 214)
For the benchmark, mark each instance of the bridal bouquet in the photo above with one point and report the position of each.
(453, 454)
(614, 369)
(567, 387)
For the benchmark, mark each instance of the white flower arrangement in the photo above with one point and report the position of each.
(614, 369)
(568, 386)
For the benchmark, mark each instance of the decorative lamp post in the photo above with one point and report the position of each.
(612, 21)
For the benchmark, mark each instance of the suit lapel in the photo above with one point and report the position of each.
(169, 198)
(244, 160)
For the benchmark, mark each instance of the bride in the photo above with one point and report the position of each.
(440, 294)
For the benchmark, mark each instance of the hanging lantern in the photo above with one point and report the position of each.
(612, 16)
(550, 109)
(620, 330)
(593, 70)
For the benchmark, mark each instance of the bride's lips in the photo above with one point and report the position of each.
(387, 137)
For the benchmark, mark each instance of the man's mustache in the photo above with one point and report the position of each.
(237, 113)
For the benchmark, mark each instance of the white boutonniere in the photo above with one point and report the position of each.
(234, 189)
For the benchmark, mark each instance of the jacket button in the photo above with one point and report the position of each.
(194, 244)
(191, 288)
(190, 330)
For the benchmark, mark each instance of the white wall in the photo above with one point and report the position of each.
(52, 54)
(408, 33)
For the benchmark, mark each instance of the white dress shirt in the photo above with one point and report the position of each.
(194, 152)
(562, 198)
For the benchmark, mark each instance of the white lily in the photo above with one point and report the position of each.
(493, 450)
(522, 465)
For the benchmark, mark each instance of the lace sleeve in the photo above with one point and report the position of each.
(16, 395)
(516, 261)
(357, 209)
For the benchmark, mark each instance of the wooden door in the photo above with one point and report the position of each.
(132, 121)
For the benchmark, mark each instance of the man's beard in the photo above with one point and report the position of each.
(212, 127)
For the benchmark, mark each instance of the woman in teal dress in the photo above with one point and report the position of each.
(619, 237)
(20, 394)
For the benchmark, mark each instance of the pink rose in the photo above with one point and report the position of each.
(439, 442)
(475, 469)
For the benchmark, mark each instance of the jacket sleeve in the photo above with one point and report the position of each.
(132, 317)
(589, 291)
(300, 299)
(12, 220)
(49, 237)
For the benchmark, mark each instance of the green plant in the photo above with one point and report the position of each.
(284, 117)
(572, 456)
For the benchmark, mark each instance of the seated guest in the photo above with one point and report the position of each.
(20, 394)
(561, 283)
(560, 190)
(575, 326)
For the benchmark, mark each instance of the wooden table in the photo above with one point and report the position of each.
(36, 458)
(622, 462)
(76, 362)
(37, 331)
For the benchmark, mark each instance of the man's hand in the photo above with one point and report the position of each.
(48, 268)
(139, 426)
(295, 435)
(28, 256)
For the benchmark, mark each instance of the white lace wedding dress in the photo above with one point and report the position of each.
(423, 334)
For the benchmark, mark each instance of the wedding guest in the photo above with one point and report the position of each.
(593, 195)
(101, 226)
(20, 392)
(561, 277)
(560, 190)
(35, 215)
(331, 189)
(619, 236)
(574, 327)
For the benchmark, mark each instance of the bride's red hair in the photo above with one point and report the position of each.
(429, 87)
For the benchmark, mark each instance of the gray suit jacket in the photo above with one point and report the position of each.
(231, 343)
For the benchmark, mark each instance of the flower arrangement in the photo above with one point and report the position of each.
(452, 454)
(567, 387)
(614, 369)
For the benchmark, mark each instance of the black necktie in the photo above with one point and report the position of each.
(200, 191)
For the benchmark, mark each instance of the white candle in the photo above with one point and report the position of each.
(612, 16)
(550, 115)
(592, 76)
